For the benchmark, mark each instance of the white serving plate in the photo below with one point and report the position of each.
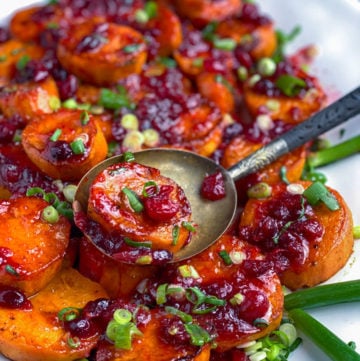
(334, 27)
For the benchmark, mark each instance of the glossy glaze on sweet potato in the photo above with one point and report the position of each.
(32, 248)
(38, 334)
(322, 257)
(30, 99)
(120, 51)
(110, 206)
(44, 152)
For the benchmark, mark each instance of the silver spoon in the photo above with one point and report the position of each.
(189, 170)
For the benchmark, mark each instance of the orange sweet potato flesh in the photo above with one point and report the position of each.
(109, 206)
(37, 334)
(207, 10)
(240, 148)
(36, 246)
(12, 51)
(150, 347)
(325, 257)
(36, 141)
(291, 109)
(113, 60)
(29, 99)
(118, 279)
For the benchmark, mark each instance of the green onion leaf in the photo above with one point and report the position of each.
(225, 257)
(318, 192)
(78, 146)
(131, 48)
(22, 62)
(198, 336)
(56, 135)
(128, 157)
(112, 100)
(186, 318)
(227, 44)
(283, 175)
(151, 9)
(34, 191)
(188, 226)
(69, 313)
(290, 85)
(208, 33)
(175, 235)
(11, 270)
(84, 117)
(133, 199)
(161, 292)
(168, 62)
(149, 184)
(132, 243)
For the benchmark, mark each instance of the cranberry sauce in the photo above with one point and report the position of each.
(114, 245)
(17, 173)
(13, 298)
(284, 227)
(213, 187)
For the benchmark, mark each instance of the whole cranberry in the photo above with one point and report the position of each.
(213, 187)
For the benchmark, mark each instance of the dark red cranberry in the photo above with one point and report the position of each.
(49, 38)
(231, 131)
(68, 87)
(4, 35)
(213, 187)
(11, 297)
(250, 13)
(81, 327)
(59, 150)
(159, 207)
(118, 131)
(10, 173)
(96, 308)
(243, 57)
(7, 131)
(266, 87)
(33, 71)
(255, 305)
(89, 43)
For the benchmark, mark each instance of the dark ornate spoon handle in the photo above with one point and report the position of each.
(326, 119)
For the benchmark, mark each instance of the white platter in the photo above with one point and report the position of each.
(334, 27)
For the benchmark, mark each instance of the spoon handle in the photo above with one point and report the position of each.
(326, 119)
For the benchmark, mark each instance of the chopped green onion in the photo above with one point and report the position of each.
(73, 342)
(151, 9)
(133, 199)
(146, 259)
(266, 66)
(227, 44)
(290, 85)
(188, 271)
(326, 340)
(151, 137)
(141, 16)
(324, 295)
(222, 80)
(84, 118)
(283, 175)
(70, 104)
(282, 40)
(259, 190)
(182, 315)
(64, 208)
(202, 303)
(168, 62)
(260, 323)
(51, 198)
(50, 214)
(3, 58)
(122, 316)
(317, 192)
(17, 136)
(237, 299)
(54, 103)
(78, 146)
(69, 313)
(175, 235)
(22, 62)
(69, 192)
(56, 135)
(161, 294)
(356, 232)
(112, 100)
(188, 226)
(34, 191)
(198, 336)
(225, 257)
(130, 122)
(128, 157)
(149, 184)
(11, 270)
(208, 33)
(198, 62)
(132, 243)
(131, 48)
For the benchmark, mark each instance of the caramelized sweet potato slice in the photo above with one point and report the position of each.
(314, 245)
(50, 139)
(207, 10)
(151, 346)
(11, 52)
(117, 51)
(293, 162)
(29, 99)
(162, 211)
(37, 334)
(32, 249)
(217, 89)
(290, 109)
(117, 278)
(228, 268)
